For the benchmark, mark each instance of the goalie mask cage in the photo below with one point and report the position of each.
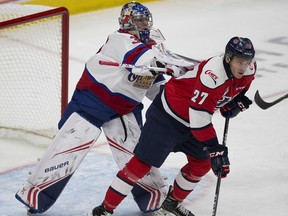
(34, 43)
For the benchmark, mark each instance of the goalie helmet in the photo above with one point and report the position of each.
(137, 20)
(240, 47)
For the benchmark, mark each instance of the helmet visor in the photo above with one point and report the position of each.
(143, 22)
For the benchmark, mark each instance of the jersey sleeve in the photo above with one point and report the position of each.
(132, 51)
(202, 107)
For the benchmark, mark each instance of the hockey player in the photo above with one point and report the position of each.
(110, 98)
(179, 119)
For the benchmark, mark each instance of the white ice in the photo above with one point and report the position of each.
(257, 139)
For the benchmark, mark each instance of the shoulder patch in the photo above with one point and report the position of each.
(213, 73)
(209, 79)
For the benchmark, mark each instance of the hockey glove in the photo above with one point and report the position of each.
(158, 64)
(219, 159)
(177, 71)
(234, 107)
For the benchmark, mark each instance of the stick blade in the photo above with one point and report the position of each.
(260, 102)
(265, 105)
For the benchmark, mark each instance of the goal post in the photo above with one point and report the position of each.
(34, 53)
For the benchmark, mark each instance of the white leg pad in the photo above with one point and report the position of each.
(61, 159)
(122, 137)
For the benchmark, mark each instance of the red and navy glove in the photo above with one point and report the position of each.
(219, 159)
(234, 107)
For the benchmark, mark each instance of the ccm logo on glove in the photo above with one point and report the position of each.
(216, 154)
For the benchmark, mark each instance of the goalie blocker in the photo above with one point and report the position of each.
(67, 150)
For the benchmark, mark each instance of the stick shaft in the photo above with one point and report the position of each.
(116, 64)
(218, 184)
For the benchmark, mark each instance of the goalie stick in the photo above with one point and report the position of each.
(116, 64)
(168, 71)
(265, 105)
(188, 59)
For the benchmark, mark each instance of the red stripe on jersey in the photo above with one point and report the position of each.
(118, 102)
(133, 55)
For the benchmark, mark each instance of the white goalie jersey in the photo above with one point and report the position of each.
(128, 87)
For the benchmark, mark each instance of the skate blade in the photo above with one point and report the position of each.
(159, 212)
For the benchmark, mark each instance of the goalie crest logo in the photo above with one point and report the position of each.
(142, 82)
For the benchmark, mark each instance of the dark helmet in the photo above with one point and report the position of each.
(240, 47)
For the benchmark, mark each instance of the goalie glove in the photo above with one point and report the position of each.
(176, 71)
(172, 70)
(164, 55)
(158, 64)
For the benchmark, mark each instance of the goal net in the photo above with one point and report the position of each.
(34, 43)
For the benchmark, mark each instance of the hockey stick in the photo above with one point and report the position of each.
(265, 105)
(217, 191)
(116, 64)
(188, 59)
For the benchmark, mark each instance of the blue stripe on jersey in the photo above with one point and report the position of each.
(132, 56)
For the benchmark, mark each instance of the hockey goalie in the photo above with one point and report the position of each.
(110, 98)
(68, 149)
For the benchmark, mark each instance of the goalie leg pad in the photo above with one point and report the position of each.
(61, 159)
(149, 199)
(122, 134)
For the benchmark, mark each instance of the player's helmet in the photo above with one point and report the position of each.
(132, 13)
(240, 47)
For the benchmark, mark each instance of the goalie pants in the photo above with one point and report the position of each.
(87, 105)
